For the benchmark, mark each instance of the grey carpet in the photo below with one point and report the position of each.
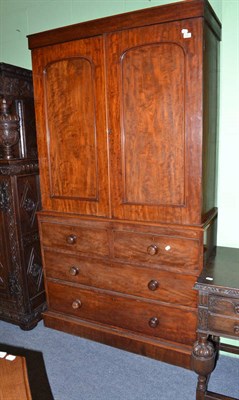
(79, 369)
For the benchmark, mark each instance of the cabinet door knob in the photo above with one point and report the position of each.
(153, 322)
(76, 304)
(71, 239)
(237, 308)
(152, 249)
(236, 329)
(153, 285)
(74, 271)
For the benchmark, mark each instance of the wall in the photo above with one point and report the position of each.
(22, 17)
(228, 182)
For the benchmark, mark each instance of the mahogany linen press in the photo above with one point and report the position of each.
(126, 111)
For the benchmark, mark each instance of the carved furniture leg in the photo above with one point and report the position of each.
(203, 361)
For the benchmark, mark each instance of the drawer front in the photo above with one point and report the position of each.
(224, 305)
(123, 312)
(75, 238)
(155, 249)
(144, 282)
(223, 326)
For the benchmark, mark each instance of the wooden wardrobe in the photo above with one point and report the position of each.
(126, 110)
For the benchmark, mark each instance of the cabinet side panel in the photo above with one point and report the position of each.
(3, 256)
(9, 250)
(210, 119)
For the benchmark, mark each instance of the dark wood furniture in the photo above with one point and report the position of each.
(218, 316)
(22, 296)
(126, 112)
(16, 88)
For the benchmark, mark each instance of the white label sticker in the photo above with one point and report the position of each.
(186, 34)
(10, 357)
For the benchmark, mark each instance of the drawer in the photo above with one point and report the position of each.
(138, 281)
(154, 249)
(224, 305)
(144, 282)
(147, 318)
(75, 238)
(223, 326)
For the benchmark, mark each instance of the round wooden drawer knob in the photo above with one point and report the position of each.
(71, 239)
(153, 285)
(236, 329)
(74, 271)
(237, 308)
(76, 304)
(153, 322)
(152, 250)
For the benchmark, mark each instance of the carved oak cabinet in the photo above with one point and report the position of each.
(126, 110)
(22, 295)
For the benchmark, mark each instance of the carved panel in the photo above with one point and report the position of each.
(14, 278)
(202, 319)
(15, 87)
(4, 196)
(4, 264)
(29, 202)
(34, 270)
(203, 299)
(1, 275)
(224, 305)
(30, 240)
(22, 296)
(15, 81)
(24, 167)
(231, 292)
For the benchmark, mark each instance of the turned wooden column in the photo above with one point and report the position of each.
(203, 363)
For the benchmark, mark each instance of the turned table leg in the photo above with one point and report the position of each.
(203, 361)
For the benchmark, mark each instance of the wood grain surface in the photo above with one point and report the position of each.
(14, 379)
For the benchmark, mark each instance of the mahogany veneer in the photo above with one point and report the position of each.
(126, 115)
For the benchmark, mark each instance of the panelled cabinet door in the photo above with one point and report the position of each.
(155, 105)
(70, 110)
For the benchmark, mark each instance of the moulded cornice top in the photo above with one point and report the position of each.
(153, 15)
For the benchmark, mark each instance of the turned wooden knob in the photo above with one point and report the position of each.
(237, 308)
(152, 249)
(153, 322)
(153, 285)
(236, 329)
(76, 304)
(71, 239)
(74, 271)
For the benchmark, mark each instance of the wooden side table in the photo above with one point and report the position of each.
(218, 316)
